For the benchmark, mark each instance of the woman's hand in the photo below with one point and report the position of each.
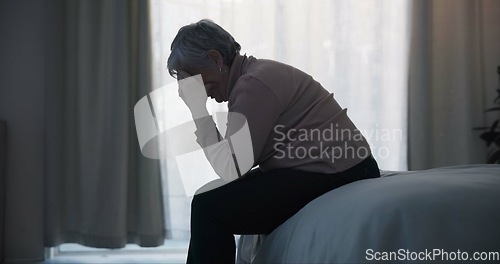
(193, 93)
(182, 75)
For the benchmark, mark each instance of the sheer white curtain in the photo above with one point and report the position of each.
(358, 50)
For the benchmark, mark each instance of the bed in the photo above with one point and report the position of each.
(442, 214)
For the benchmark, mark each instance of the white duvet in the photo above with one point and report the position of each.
(400, 217)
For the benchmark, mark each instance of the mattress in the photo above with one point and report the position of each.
(442, 214)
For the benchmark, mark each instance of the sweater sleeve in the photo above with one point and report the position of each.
(232, 156)
(217, 150)
(253, 111)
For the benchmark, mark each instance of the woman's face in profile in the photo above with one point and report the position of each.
(214, 77)
(215, 82)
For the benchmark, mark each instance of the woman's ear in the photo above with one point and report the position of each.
(216, 57)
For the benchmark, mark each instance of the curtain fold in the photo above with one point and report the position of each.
(454, 55)
(99, 190)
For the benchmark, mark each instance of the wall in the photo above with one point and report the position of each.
(21, 105)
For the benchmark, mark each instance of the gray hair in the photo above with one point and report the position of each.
(192, 43)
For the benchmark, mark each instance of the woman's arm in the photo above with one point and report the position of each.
(229, 160)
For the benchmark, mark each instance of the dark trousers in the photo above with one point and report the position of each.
(256, 204)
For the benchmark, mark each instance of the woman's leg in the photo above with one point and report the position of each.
(257, 204)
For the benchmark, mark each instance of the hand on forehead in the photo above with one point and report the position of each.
(182, 74)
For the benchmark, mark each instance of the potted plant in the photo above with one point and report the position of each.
(491, 134)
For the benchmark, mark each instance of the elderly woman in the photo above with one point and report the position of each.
(303, 142)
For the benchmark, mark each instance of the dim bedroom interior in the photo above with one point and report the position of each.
(75, 188)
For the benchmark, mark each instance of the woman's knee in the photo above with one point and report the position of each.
(204, 204)
(210, 186)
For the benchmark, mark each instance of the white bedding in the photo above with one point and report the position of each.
(447, 209)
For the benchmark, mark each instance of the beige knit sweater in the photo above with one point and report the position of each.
(293, 121)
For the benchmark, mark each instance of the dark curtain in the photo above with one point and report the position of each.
(99, 190)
